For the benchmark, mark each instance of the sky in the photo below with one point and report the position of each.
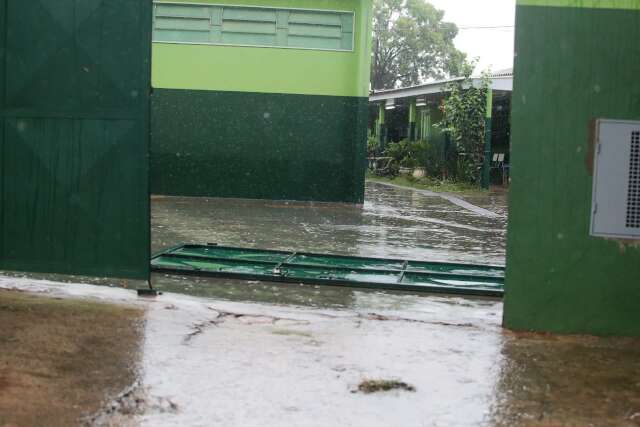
(493, 47)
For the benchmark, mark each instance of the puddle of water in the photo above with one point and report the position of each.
(393, 223)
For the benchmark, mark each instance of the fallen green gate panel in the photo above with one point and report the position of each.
(300, 267)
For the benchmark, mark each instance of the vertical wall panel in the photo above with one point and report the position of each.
(74, 165)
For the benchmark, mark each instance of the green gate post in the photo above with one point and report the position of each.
(486, 164)
(382, 132)
(412, 120)
(560, 278)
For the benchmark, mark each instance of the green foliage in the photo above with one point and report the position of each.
(434, 161)
(409, 154)
(430, 183)
(372, 146)
(464, 119)
(402, 153)
(411, 43)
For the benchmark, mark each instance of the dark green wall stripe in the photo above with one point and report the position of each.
(254, 145)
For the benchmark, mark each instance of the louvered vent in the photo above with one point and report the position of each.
(252, 26)
(616, 184)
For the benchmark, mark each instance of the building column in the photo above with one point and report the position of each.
(382, 128)
(446, 148)
(425, 123)
(486, 164)
(412, 120)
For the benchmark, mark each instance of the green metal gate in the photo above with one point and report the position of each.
(333, 270)
(74, 136)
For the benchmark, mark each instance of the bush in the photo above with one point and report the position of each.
(416, 154)
(403, 153)
(372, 146)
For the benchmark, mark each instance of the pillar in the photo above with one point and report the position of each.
(412, 120)
(559, 278)
(382, 128)
(486, 164)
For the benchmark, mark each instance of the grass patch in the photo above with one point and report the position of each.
(430, 184)
(374, 386)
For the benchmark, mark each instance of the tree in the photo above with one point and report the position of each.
(411, 43)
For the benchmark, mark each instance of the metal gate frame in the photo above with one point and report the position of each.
(335, 270)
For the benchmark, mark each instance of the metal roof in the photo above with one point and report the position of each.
(507, 72)
(500, 81)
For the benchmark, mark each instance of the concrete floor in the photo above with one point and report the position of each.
(232, 353)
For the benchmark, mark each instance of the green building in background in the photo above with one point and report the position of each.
(414, 113)
(577, 64)
(261, 99)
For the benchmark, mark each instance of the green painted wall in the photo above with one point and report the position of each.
(209, 133)
(256, 145)
(573, 64)
(74, 115)
(590, 4)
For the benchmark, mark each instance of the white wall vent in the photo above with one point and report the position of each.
(616, 180)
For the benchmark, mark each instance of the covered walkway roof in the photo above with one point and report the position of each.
(501, 81)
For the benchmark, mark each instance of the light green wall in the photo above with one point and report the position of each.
(263, 122)
(270, 70)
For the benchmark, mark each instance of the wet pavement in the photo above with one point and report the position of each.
(212, 362)
(394, 223)
(233, 353)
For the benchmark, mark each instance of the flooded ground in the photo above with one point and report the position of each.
(394, 223)
(233, 353)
